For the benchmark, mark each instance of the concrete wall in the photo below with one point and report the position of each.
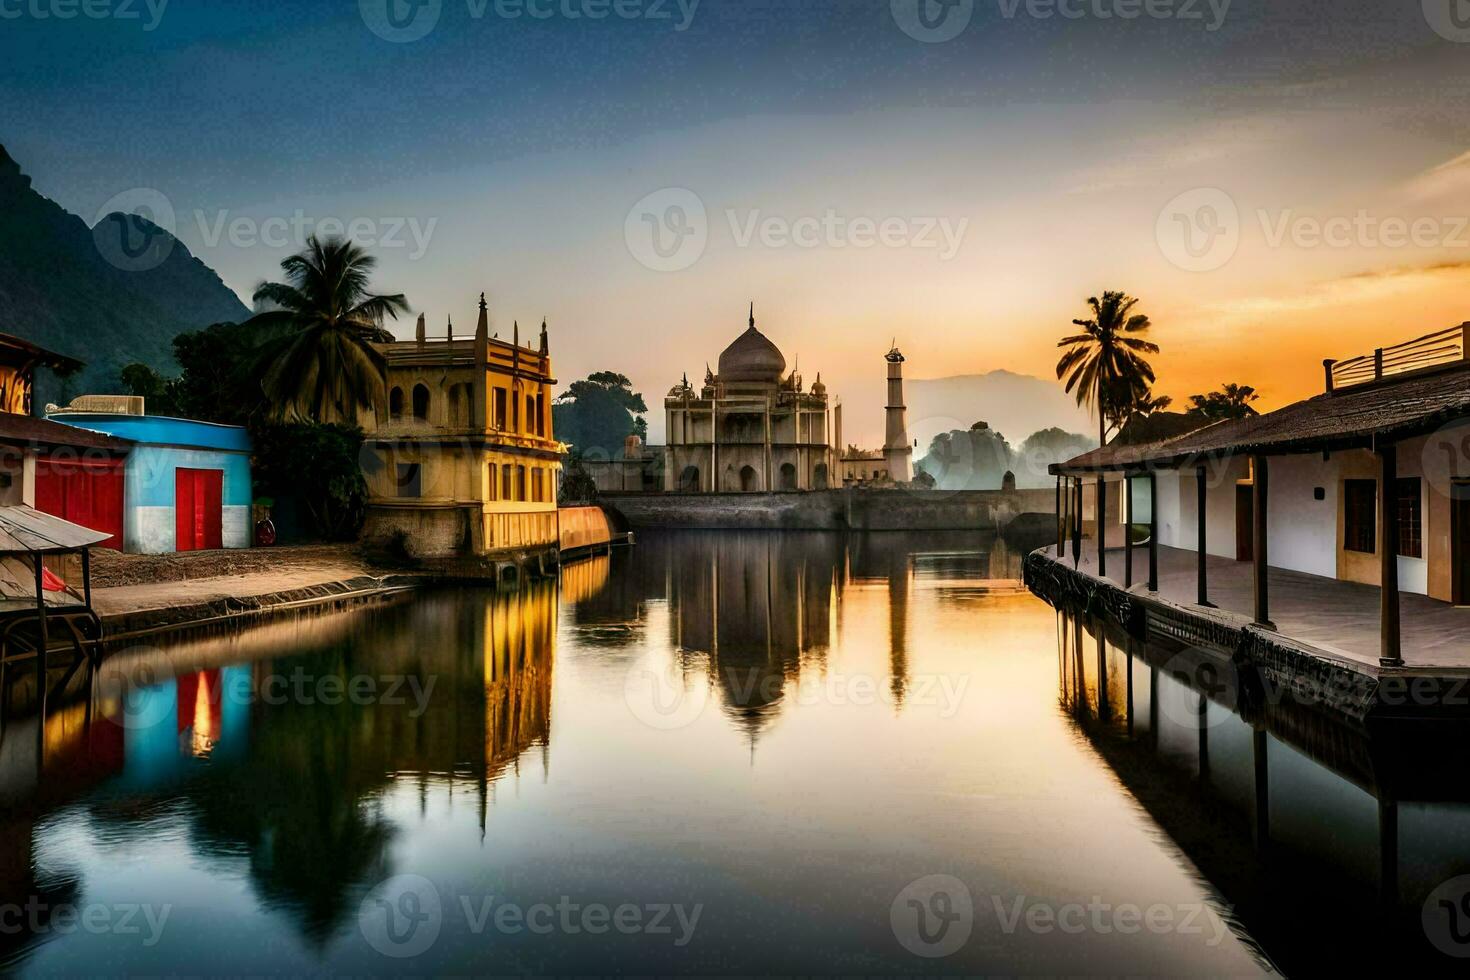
(149, 487)
(856, 509)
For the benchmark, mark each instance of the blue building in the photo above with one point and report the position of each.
(186, 484)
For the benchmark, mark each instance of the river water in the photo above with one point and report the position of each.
(714, 752)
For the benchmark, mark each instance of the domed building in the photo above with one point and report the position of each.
(751, 427)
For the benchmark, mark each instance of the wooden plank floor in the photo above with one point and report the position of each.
(1340, 617)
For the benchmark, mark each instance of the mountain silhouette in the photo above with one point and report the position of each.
(109, 294)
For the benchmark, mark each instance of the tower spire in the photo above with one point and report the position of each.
(482, 326)
(450, 329)
(752, 314)
(545, 340)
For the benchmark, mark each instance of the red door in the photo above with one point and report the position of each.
(198, 501)
(85, 493)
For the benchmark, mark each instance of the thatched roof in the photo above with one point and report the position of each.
(1397, 408)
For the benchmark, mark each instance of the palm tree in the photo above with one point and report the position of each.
(1232, 401)
(1104, 365)
(318, 360)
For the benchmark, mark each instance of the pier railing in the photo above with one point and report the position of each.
(1439, 349)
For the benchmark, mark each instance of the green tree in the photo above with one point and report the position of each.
(1104, 364)
(968, 459)
(320, 465)
(318, 360)
(160, 394)
(597, 414)
(1232, 401)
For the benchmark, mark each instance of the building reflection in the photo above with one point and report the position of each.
(755, 609)
(1310, 824)
(282, 767)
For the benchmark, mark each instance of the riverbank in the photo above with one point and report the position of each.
(139, 595)
(849, 509)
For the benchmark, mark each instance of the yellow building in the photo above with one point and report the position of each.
(464, 462)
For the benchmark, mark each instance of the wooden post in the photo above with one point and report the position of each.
(1127, 504)
(44, 640)
(1327, 370)
(1077, 522)
(1378, 364)
(1261, 491)
(1153, 532)
(1102, 524)
(1388, 852)
(1061, 535)
(1261, 828)
(1202, 573)
(87, 577)
(1104, 709)
(1390, 648)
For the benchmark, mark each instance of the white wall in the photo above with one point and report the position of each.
(1303, 530)
(1179, 509)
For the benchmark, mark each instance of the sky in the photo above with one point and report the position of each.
(1277, 182)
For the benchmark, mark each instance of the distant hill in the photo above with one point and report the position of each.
(108, 295)
(1015, 405)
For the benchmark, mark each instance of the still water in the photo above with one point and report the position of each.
(715, 752)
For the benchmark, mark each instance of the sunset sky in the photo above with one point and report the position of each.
(1064, 155)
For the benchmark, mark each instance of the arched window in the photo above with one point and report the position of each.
(788, 476)
(420, 402)
(819, 476)
(749, 479)
(689, 479)
(395, 403)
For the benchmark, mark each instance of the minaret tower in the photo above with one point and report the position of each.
(897, 452)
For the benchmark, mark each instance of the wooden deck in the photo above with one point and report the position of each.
(1337, 617)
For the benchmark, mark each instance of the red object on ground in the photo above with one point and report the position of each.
(199, 509)
(86, 493)
(50, 582)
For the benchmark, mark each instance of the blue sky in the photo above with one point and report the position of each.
(510, 153)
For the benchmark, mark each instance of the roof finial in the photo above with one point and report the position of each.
(418, 334)
(451, 328)
(482, 301)
(545, 340)
(752, 314)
